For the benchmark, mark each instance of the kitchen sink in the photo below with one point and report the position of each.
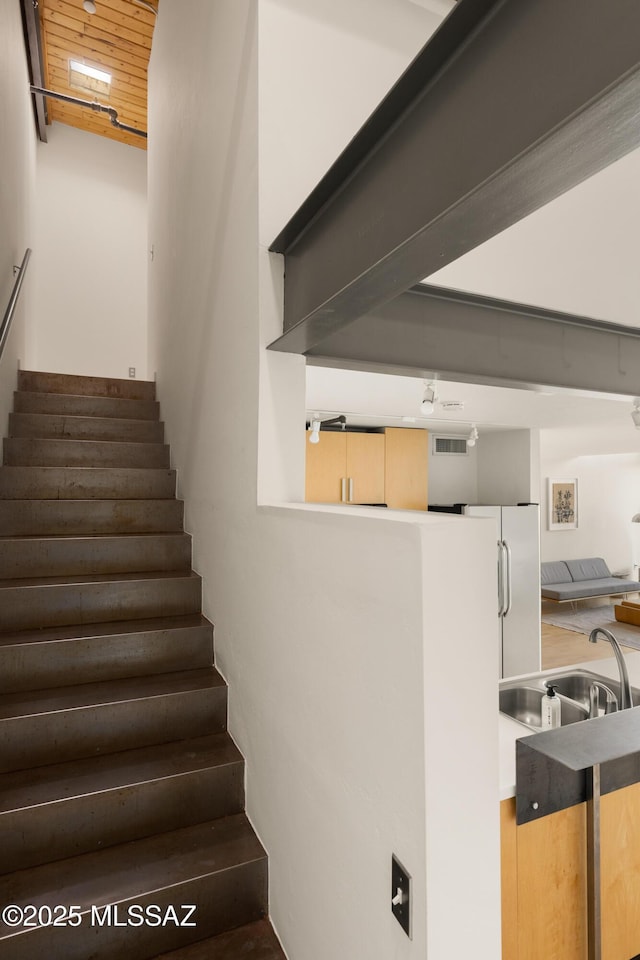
(522, 699)
(578, 686)
(524, 704)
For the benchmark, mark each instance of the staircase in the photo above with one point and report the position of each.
(119, 784)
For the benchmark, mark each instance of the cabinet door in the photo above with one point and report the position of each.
(544, 873)
(620, 870)
(406, 463)
(509, 879)
(365, 467)
(326, 468)
(544, 886)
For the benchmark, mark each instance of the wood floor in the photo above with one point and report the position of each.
(562, 648)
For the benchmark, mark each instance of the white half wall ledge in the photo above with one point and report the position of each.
(395, 568)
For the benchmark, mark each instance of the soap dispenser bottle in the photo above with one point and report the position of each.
(550, 708)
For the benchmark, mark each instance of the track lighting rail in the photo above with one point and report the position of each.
(19, 273)
(93, 105)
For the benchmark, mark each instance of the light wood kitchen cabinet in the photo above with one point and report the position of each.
(345, 467)
(620, 869)
(326, 468)
(544, 881)
(352, 467)
(365, 468)
(405, 473)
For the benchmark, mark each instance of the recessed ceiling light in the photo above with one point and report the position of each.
(89, 6)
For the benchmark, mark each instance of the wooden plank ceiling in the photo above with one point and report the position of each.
(115, 39)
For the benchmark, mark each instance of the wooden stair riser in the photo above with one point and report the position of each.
(219, 866)
(253, 941)
(231, 898)
(28, 664)
(86, 483)
(67, 828)
(84, 453)
(53, 518)
(69, 556)
(101, 601)
(62, 383)
(57, 736)
(70, 406)
(45, 426)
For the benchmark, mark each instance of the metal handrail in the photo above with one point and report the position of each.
(19, 273)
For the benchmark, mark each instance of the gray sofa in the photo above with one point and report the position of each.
(563, 580)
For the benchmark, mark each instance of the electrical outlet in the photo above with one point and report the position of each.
(132, 371)
(401, 895)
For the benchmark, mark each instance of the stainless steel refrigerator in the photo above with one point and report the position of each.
(517, 585)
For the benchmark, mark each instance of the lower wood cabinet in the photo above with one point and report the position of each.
(544, 881)
(352, 467)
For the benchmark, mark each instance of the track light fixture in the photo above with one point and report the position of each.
(635, 413)
(316, 423)
(314, 433)
(430, 398)
(473, 436)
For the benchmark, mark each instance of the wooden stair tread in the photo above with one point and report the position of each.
(132, 869)
(74, 417)
(101, 537)
(67, 441)
(69, 404)
(111, 629)
(253, 941)
(27, 582)
(30, 788)
(86, 695)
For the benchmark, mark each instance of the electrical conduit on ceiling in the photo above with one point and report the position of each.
(93, 105)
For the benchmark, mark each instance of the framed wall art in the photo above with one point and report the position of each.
(562, 504)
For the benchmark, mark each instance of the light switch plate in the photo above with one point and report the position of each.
(401, 893)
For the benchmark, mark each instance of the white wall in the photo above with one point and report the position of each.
(453, 479)
(577, 253)
(17, 178)
(91, 297)
(504, 467)
(328, 624)
(311, 106)
(607, 467)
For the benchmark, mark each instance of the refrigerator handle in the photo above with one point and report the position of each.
(507, 565)
(500, 580)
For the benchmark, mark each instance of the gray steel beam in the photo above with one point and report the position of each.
(510, 104)
(33, 42)
(435, 332)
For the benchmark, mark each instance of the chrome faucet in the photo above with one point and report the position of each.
(611, 701)
(625, 687)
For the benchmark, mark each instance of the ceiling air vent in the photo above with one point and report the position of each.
(450, 446)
